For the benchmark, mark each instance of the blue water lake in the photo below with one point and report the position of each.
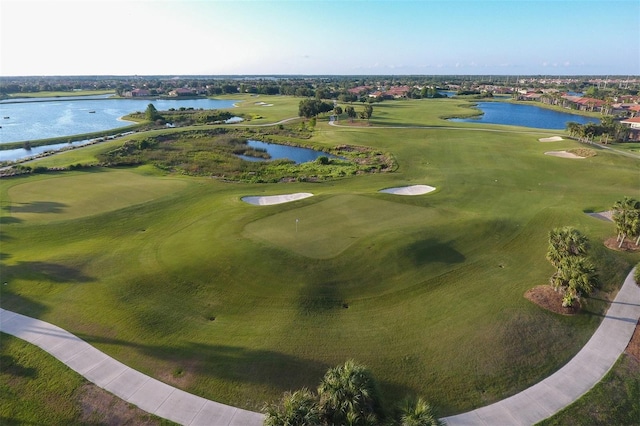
(524, 115)
(277, 152)
(43, 118)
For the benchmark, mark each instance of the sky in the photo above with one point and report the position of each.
(313, 37)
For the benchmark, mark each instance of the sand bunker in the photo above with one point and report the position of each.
(551, 139)
(409, 190)
(563, 154)
(606, 215)
(276, 199)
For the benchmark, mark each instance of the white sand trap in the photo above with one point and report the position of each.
(551, 139)
(276, 199)
(409, 190)
(563, 154)
(605, 215)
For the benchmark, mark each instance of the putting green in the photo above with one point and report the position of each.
(324, 230)
(74, 196)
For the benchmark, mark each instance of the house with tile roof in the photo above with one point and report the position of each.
(634, 128)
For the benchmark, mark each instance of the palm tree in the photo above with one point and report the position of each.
(578, 278)
(349, 395)
(564, 242)
(299, 408)
(573, 128)
(626, 215)
(575, 274)
(418, 412)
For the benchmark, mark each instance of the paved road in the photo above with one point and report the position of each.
(525, 408)
(587, 368)
(136, 388)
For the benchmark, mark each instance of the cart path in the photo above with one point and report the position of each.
(578, 376)
(528, 407)
(149, 394)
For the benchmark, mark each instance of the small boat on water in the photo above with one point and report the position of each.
(92, 112)
(6, 118)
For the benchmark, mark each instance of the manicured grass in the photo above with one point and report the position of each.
(85, 194)
(426, 291)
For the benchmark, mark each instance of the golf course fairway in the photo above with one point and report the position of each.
(179, 278)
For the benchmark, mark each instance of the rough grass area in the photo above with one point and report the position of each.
(583, 152)
(613, 401)
(37, 389)
(181, 279)
(215, 153)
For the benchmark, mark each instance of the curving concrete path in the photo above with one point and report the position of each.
(528, 407)
(566, 385)
(132, 386)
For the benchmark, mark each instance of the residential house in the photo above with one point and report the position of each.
(634, 128)
(181, 91)
(137, 93)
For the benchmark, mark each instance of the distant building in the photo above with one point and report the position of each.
(182, 92)
(634, 128)
(135, 93)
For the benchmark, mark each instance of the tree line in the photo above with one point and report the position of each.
(609, 130)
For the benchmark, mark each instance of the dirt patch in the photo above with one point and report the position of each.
(549, 299)
(633, 348)
(182, 375)
(103, 408)
(628, 245)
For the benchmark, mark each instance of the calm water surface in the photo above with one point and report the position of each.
(294, 153)
(53, 117)
(524, 115)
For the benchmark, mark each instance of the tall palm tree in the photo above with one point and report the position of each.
(299, 408)
(573, 128)
(626, 215)
(577, 276)
(349, 395)
(564, 242)
(418, 412)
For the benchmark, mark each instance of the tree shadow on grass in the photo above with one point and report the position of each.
(12, 367)
(266, 368)
(430, 250)
(44, 271)
(36, 207)
(13, 301)
(318, 298)
(233, 364)
(8, 220)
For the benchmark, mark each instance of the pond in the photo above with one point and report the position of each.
(293, 153)
(524, 115)
(53, 117)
